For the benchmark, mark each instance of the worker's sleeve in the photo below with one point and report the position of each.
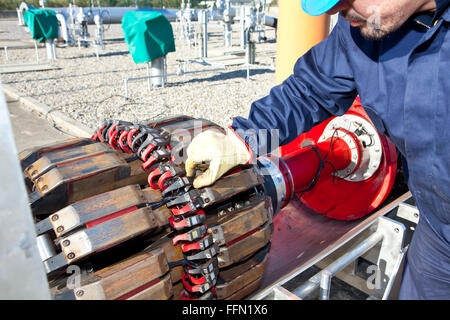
(322, 86)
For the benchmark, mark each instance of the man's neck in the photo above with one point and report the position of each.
(427, 6)
(430, 12)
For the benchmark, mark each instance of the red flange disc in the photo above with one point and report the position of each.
(341, 199)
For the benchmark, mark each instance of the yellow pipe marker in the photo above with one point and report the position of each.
(297, 33)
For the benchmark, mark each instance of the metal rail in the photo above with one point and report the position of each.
(323, 278)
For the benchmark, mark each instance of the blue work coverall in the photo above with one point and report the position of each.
(403, 81)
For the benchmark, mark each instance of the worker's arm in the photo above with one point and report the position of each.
(322, 86)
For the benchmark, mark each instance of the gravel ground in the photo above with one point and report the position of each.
(90, 90)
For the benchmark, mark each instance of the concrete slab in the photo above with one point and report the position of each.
(56, 117)
(29, 130)
(18, 44)
(226, 60)
(15, 68)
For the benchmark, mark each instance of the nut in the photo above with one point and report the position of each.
(79, 293)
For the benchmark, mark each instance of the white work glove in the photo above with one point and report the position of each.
(222, 151)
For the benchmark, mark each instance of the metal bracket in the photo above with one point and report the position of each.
(408, 212)
(280, 293)
(390, 255)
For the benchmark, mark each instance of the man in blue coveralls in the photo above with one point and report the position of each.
(396, 55)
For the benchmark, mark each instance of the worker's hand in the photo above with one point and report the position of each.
(221, 151)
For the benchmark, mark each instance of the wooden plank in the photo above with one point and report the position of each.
(95, 207)
(30, 155)
(240, 250)
(161, 214)
(162, 290)
(238, 223)
(233, 279)
(167, 121)
(76, 171)
(107, 234)
(83, 178)
(128, 277)
(244, 292)
(133, 274)
(231, 185)
(63, 156)
(173, 253)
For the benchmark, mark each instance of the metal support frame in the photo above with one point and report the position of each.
(323, 278)
(50, 49)
(204, 24)
(181, 71)
(381, 243)
(36, 50)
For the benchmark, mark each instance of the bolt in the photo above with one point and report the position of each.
(60, 229)
(416, 215)
(71, 255)
(34, 172)
(45, 187)
(79, 293)
(397, 230)
(66, 243)
(206, 200)
(55, 217)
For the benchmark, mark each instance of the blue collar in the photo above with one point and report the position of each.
(427, 19)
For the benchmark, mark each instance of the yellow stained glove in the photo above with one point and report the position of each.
(222, 151)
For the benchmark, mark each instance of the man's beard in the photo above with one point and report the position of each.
(373, 31)
(372, 28)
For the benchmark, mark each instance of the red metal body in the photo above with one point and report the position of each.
(332, 196)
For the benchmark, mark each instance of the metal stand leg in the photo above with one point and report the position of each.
(149, 81)
(36, 50)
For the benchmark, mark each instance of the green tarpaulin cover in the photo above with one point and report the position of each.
(42, 23)
(148, 35)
